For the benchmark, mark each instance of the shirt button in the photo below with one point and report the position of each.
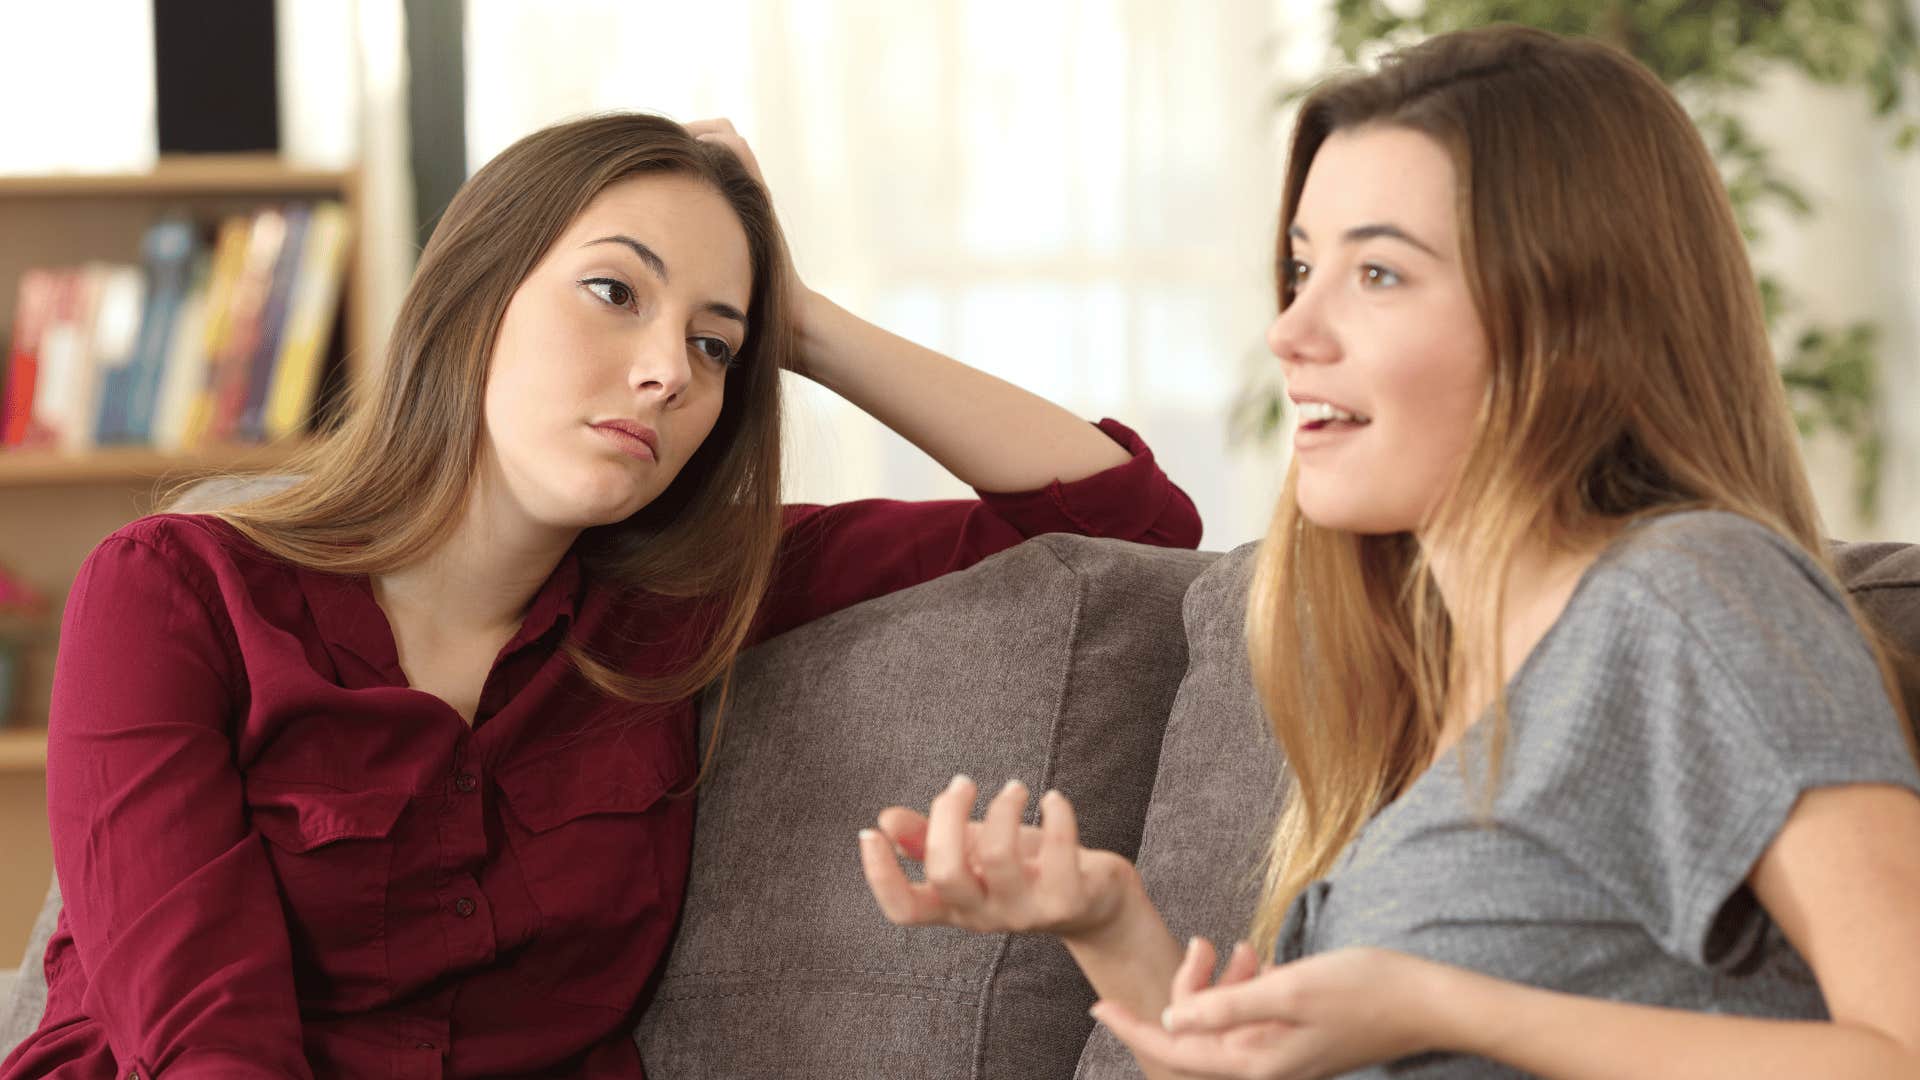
(466, 782)
(463, 907)
(425, 1046)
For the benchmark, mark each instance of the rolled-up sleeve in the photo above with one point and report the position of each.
(169, 896)
(836, 556)
(1134, 501)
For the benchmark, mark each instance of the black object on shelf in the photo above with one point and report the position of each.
(214, 71)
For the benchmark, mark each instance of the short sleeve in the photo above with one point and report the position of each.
(1713, 676)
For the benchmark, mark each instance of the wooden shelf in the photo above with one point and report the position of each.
(134, 464)
(193, 174)
(23, 749)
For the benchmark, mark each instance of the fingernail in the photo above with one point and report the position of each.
(867, 834)
(1010, 785)
(958, 779)
(1166, 1018)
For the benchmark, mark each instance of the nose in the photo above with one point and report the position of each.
(1299, 334)
(660, 366)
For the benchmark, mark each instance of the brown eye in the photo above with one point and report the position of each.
(609, 290)
(1378, 276)
(713, 349)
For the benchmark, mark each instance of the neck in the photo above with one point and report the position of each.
(1535, 590)
(482, 578)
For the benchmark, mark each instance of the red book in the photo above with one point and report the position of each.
(23, 359)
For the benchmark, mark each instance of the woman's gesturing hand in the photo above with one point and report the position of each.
(997, 874)
(1321, 1016)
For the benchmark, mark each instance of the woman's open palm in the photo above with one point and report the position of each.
(993, 875)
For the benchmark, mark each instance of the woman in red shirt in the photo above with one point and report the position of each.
(384, 774)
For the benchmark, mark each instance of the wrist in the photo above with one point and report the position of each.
(1113, 916)
(814, 327)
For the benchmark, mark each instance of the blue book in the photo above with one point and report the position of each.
(127, 394)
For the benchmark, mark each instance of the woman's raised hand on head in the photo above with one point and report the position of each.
(720, 130)
(993, 875)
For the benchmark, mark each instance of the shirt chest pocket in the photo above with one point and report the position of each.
(601, 844)
(583, 825)
(332, 855)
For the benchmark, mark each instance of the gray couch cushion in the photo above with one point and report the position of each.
(1217, 790)
(1055, 662)
(26, 1000)
(1885, 579)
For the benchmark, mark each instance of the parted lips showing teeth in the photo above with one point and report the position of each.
(1319, 412)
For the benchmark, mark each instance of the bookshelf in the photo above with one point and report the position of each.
(56, 506)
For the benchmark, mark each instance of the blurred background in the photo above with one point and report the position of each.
(1077, 195)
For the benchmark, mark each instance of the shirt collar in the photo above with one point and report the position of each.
(351, 621)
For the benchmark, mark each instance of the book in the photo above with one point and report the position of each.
(310, 318)
(185, 372)
(119, 296)
(167, 254)
(30, 310)
(241, 334)
(229, 258)
(273, 324)
(63, 393)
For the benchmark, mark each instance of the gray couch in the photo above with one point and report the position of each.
(1112, 671)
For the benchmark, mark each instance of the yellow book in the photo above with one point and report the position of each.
(310, 318)
(229, 254)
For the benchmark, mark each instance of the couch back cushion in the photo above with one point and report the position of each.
(1216, 793)
(1885, 580)
(1055, 662)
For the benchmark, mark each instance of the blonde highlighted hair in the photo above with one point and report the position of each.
(1630, 376)
(391, 483)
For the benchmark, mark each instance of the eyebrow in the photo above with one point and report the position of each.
(647, 255)
(659, 266)
(1369, 232)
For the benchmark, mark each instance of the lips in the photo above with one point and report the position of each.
(1316, 413)
(634, 439)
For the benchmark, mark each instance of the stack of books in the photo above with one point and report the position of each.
(202, 344)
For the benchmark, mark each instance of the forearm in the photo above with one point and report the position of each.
(988, 432)
(1132, 960)
(1567, 1037)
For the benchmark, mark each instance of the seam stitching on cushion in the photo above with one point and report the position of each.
(773, 991)
(1876, 586)
(762, 973)
(1053, 748)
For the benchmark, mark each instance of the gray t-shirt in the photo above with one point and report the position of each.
(1704, 674)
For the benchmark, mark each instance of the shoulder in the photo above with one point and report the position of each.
(1711, 566)
(1708, 620)
(183, 538)
(201, 551)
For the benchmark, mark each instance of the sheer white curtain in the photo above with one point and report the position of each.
(1077, 195)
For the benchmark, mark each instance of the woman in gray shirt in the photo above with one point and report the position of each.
(1595, 770)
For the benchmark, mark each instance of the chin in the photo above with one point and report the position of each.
(1353, 515)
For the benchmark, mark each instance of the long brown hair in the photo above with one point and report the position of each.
(390, 484)
(1630, 376)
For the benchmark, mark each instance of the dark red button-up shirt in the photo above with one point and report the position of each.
(280, 861)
